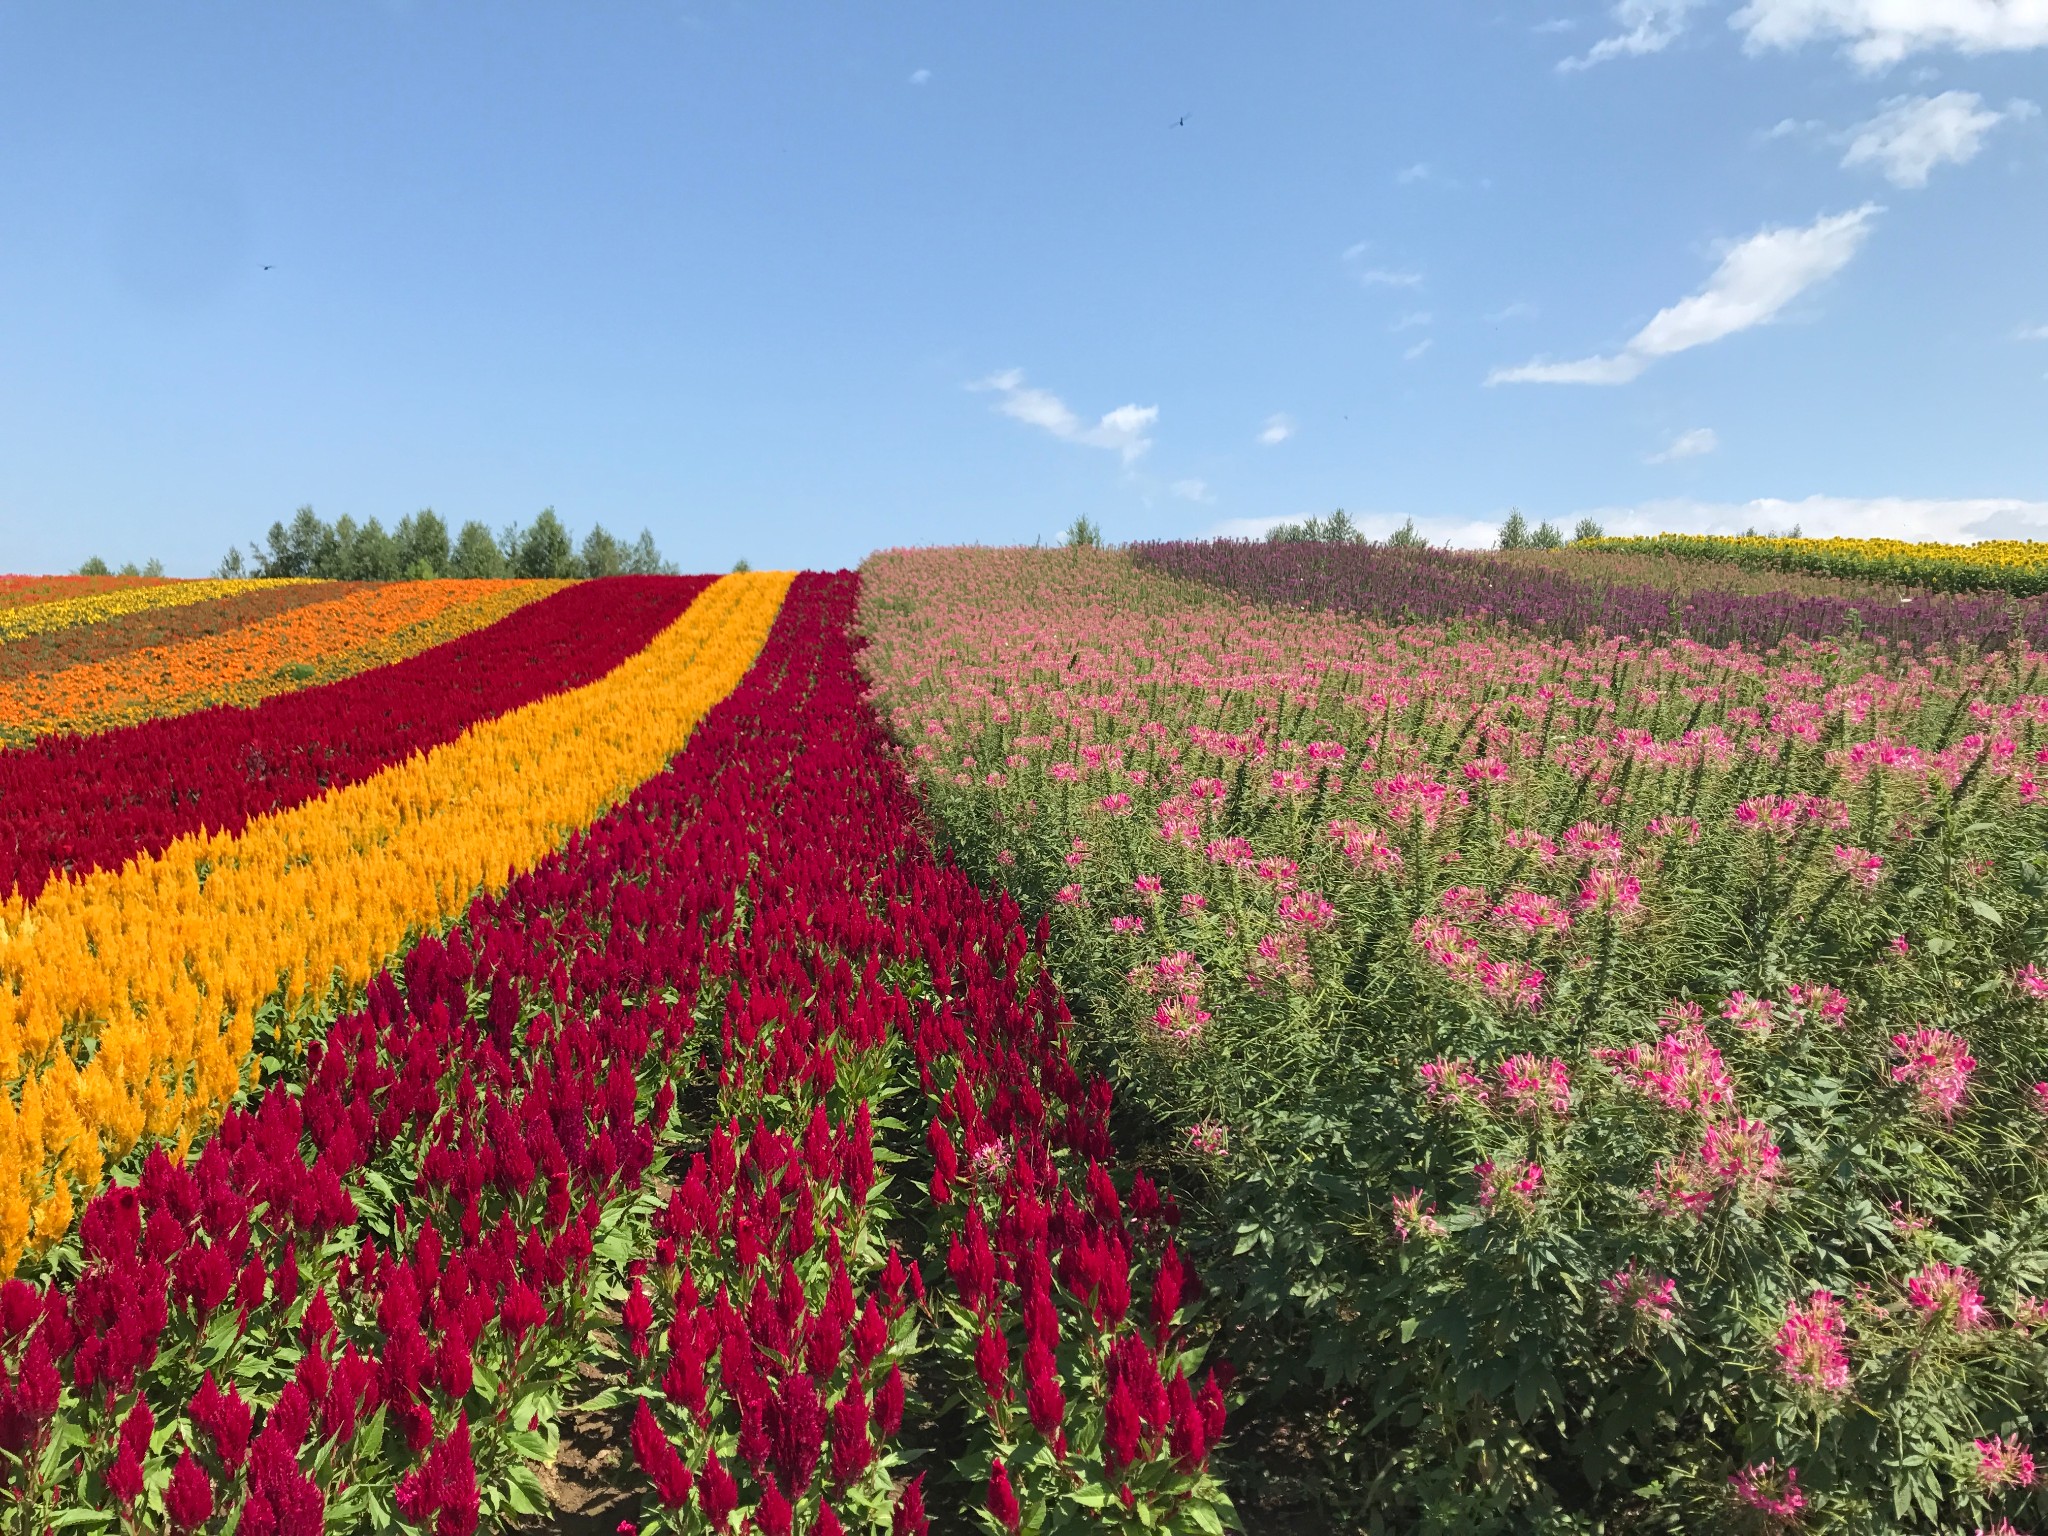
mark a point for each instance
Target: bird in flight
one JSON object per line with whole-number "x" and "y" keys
{"x": 1183, "y": 121}
{"x": 266, "y": 266}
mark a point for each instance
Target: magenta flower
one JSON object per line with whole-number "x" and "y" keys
{"x": 1535, "y": 1087}
{"x": 2003, "y": 1462}
{"x": 1208, "y": 1138}
{"x": 1773, "y": 1494}
{"x": 1813, "y": 1352}
{"x": 1146, "y": 885}
{"x": 1307, "y": 909}
{"x": 1514, "y": 1185}
{"x": 1938, "y": 1064}
{"x": 1641, "y": 1294}
{"x": 1126, "y": 925}
{"x": 1448, "y": 1084}
{"x": 1412, "y": 1218}
{"x": 1532, "y": 912}
{"x": 1948, "y": 1291}
{"x": 1741, "y": 1155}
{"x": 1751, "y": 1015}
{"x": 2031, "y": 982}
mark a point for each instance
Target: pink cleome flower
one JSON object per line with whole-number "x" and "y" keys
{"x": 1514, "y": 1185}
{"x": 1117, "y": 804}
{"x": 1192, "y": 903}
{"x": 1307, "y": 909}
{"x": 1612, "y": 890}
{"x": 1684, "y": 1071}
{"x": 1860, "y": 865}
{"x": 1450, "y": 1084}
{"x": 1813, "y": 1351}
{"x": 1364, "y": 845}
{"x": 1948, "y": 1291}
{"x": 1741, "y": 1155}
{"x": 1532, "y": 912}
{"x": 1751, "y": 1015}
{"x": 1590, "y": 841}
{"x": 1773, "y": 1494}
{"x": 2031, "y": 982}
{"x": 1642, "y": 1294}
{"x": 2004, "y": 1462}
{"x": 1525, "y": 840}
{"x": 1819, "y": 998}
{"x": 1146, "y": 885}
{"x": 1463, "y": 900}
{"x": 1068, "y": 895}
{"x": 1535, "y": 1087}
{"x": 1413, "y": 1219}
{"x": 1938, "y": 1064}
{"x": 1208, "y": 1138}
{"x": 1126, "y": 925}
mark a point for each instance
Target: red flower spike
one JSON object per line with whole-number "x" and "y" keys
{"x": 188, "y": 1498}
{"x": 909, "y": 1516}
{"x": 773, "y": 1514}
{"x": 1002, "y": 1498}
{"x": 717, "y": 1494}
{"x": 124, "y": 1477}
{"x": 992, "y": 1363}
{"x": 888, "y": 1414}
{"x": 658, "y": 1458}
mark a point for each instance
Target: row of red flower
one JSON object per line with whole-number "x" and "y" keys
{"x": 367, "y": 1299}
{"x": 77, "y": 803}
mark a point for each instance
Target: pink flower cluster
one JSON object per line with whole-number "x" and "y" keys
{"x": 1812, "y": 1345}
{"x": 1683, "y": 1071}
{"x": 1938, "y": 1064}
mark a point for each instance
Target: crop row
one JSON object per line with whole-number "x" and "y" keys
{"x": 655, "y": 1105}
{"x": 276, "y": 640}
{"x": 1414, "y": 585}
{"x": 111, "y": 601}
{"x": 131, "y": 994}
{"x": 2018, "y": 566}
{"x": 1608, "y": 1080}
{"x": 20, "y": 591}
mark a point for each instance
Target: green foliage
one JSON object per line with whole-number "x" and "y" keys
{"x": 419, "y": 549}
{"x": 476, "y": 555}
{"x": 1546, "y": 536}
{"x": 1405, "y": 536}
{"x": 1586, "y": 529}
{"x": 1083, "y": 534}
{"x": 1514, "y": 533}
{"x": 95, "y": 566}
{"x": 1337, "y": 528}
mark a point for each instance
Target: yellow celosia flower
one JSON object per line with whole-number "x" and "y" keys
{"x": 40, "y": 618}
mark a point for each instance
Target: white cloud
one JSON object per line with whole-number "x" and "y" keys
{"x": 1879, "y": 33}
{"x": 1412, "y": 319}
{"x": 1754, "y": 282}
{"x": 1515, "y": 311}
{"x": 1686, "y": 445}
{"x": 1278, "y": 428}
{"x": 1123, "y": 429}
{"x": 1191, "y": 489}
{"x": 1379, "y": 277}
{"x": 1648, "y": 26}
{"x": 1895, "y": 517}
{"x": 1554, "y": 25}
{"x": 2032, "y": 333}
{"x": 1914, "y": 134}
{"x": 1417, "y": 350}
{"x": 1409, "y": 175}
{"x": 920, "y": 76}
{"x": 1790, "y": 127}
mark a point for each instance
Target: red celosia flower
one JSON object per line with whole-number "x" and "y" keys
{"x": 1002, "y": 1498}
{"x": 188, "y": 1498}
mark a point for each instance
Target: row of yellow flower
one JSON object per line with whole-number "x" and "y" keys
{"x": 40, "y": 618}
{"x": 2019, "y": 566}
{"x": 363, "y": 628}
{"x": 127, "y": 999}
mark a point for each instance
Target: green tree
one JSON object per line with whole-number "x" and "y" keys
{"x": 367, "y": 553}
{"x": 1514, "y": 533}
{"x": 95, "y": 566}
{"x": 1083, "y": 534}
{"x": 231, "y": 567}
{"x": 741, "y": 565}
{"x": 1405, "y": 537}
{"x": 544, "y": 550}
{"x": 603, "y": 555}
{"x": 422, "y": 541}
{"x": 303, "y": 549}
{"x": 1587, "y": 529}
{"x": 153, "y": 567}
{"x": 129, "y": 568}
{"x": 476, "y": 554}
{"x": 1546, "y": 536}
{"x": 643, "y": 559}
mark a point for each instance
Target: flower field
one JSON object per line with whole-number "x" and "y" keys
{"x": 566, "y": 1019}
{"x": 1605, "y": 1074}
{"x": 1204, "y": 1037}
{"x": 2012, "y": 565}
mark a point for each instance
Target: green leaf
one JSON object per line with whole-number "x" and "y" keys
{"x": 1988, "y": 912}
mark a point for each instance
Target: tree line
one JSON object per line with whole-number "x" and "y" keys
{"x": 420, "y": 549}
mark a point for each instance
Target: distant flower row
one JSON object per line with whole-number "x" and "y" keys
{"x": 1408, "y": 584}
{"x": 2018, "y": 566}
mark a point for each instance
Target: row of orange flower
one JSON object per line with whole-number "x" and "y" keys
{"x": 359, "y": 628}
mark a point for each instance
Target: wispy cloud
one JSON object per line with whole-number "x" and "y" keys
{"x": 1278, "y": 428}
{"x": 1381, "y": 277}
{"x": 1790, "y": 127}
{"x": 1914, "y": 134}
{"x": 2032, "y": 333}
{"x": 1647, "y": 26}
{"x": 1895, "y": 517}
{"x": 1686, "y": 445}
{"x": 1408, "y": 175}
{"x": 1515, "y": 311}
{"x": 1754, "y": 282}
{"x": 1418, "y": 349}
{"x": 1123, "y": 430}
{"x": 1191, "y": 489}
{"x": 1411, "y": 320}
{"x": 920, "y": 76}
{"x": 1879, "y": 33}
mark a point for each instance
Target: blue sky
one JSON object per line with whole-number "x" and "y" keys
{"x": 792, "y": 282}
